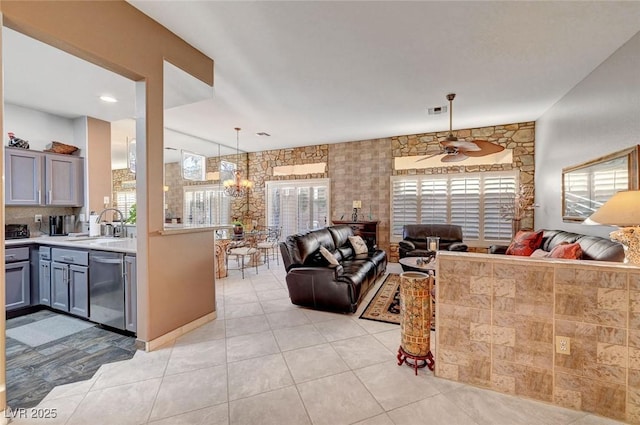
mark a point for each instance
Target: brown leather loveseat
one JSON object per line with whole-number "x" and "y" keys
{"x": 313, "y": 282}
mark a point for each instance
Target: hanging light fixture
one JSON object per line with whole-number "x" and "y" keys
{"x": 237, "y": 186}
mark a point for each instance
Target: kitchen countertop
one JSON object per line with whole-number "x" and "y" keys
{"x": 125, "y": 245}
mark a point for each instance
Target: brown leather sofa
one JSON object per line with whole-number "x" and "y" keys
{"x": 593, "y": 247}
{"x": 313, "y": 282}
{"x": 414, "y": 239}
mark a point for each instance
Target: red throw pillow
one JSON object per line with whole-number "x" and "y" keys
{"x": 525, "y": 243}
{"x": 568, "y": 251}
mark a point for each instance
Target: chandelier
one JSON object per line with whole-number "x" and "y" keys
{"x": 237, "y": 186}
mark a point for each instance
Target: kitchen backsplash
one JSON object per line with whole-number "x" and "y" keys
{"x": 26, "y": 215}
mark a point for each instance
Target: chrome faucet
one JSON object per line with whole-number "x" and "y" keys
{"x": 123, "y": 230}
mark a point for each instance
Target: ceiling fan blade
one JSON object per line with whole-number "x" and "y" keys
{"x": 486, "y": 148}
{"x": 462, "y": 145}
{"x": 429, "y": 156}
{"x": 454, "y": 157}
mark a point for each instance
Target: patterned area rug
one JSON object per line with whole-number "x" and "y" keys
{"x": 385, "y": 305}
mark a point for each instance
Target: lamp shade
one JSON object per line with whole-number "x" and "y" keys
{"x": 622, "y": 209}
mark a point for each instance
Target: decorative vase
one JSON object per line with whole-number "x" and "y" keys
{"x": 515, "y": 226}
{"x": 238, "y": 229}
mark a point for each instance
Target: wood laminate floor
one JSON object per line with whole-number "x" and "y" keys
{"x": 33, "y": 371}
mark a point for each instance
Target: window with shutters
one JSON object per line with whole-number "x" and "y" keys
{"x": 124, "y": 201}
{"x": 472, "y": 201}
{"x": 206, "y": 205}
{"x": 297, "y": 205}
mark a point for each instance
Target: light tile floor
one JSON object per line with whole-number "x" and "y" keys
{"x": 266, "y": 361}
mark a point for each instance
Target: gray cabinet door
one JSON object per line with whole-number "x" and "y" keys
{"x": 79, "y": 290}
{"x": 45, "y": 282}
{"x": 130, "y": 293}
{"x": 64, "y": 180}
{"x": 17, "y": 285}
{"x": 59, "y": 286}
{"x": 23, "y": 177}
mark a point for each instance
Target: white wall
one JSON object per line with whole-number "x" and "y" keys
{"x": 600, "y": 115}
{"x": 39, "y": 128}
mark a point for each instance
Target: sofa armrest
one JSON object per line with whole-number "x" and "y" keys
{"x": 333, "y": 270}
{"x": 498, "y": 249}
{"x": 459, "y": 247}
{"x": 407, "y": 245}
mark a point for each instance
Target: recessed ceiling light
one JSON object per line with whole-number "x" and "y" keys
{"x": 262, "y": 133}
{"x": 108, "y": 99}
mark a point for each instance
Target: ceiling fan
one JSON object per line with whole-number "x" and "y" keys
{"x": 458, "y": 150}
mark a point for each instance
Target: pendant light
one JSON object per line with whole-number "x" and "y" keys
{"x": 237, "y": 187}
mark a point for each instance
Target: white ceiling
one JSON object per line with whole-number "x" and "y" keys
{"x": 327, "y": 72}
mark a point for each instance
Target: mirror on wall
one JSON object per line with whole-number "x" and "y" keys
{"x": 587, "y": 186}
{"x": 194, "y": 161}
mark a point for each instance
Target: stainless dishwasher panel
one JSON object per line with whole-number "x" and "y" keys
{"x": 106, "y": 288}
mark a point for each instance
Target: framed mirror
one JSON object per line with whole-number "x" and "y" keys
{"x": 585, "y": 187}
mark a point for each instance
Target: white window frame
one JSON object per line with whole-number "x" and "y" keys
{"x": 480, "y": 241}
{"x": 269, "y": 185}
{"x": 221, "y": 199}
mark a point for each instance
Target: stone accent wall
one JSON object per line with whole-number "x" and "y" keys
{"x": 519, "y": 136}
{"x": 498, "y": 318}
{"x": 360, "y": 171}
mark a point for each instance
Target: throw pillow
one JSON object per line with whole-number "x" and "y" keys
{"x": 329, "y": 256}
{"x": 525, "y": 243}
{"x": 568, "y": 251}
{"x": 358, "y": 244}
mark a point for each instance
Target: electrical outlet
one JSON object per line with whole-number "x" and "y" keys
{"x": 563, "y": 345}
{"x": 38, "y": 218}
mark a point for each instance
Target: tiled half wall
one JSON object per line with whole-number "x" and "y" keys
{"x": 498, "y": 317}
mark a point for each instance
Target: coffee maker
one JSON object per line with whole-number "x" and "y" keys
{"x": 61, "y": 225}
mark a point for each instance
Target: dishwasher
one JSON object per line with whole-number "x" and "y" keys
{"x": 106, "y": 288}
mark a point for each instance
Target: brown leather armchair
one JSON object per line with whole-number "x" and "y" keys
{"x": 414, "y": 239}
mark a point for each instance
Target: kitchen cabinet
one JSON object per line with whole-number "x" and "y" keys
{"x": 23, "y": 177}
{"x": 17, "y": 278}
{"x": 70, "y": 281}
{"x": 38, "y": 178}
{"x": 44, "y": 276}
{"x": 64, "y": 183}
{"x": 130, "y": 293}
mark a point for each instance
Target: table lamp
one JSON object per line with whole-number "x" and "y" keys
{"x": 623, "y": 210}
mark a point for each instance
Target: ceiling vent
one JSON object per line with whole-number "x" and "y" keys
{"x": 437, "y": 110}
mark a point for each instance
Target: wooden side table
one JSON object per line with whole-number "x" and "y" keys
{"x": 415, "y": 320}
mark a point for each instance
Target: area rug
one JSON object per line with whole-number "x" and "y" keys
{"x": 47, "y": 330}
{"x": 385, "y": 304}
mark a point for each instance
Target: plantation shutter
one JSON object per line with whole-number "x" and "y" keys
{"x": 298, "y": 205}
{"x": 124, "y": 201}
{"x": 472, "y": 201}
{"x": 204, "y": 205}
{"x": 465, "y": 205}
{"x": 433, "y": 201}
{"x": 498, "y": 191}
{"x": 404, "y": 204}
